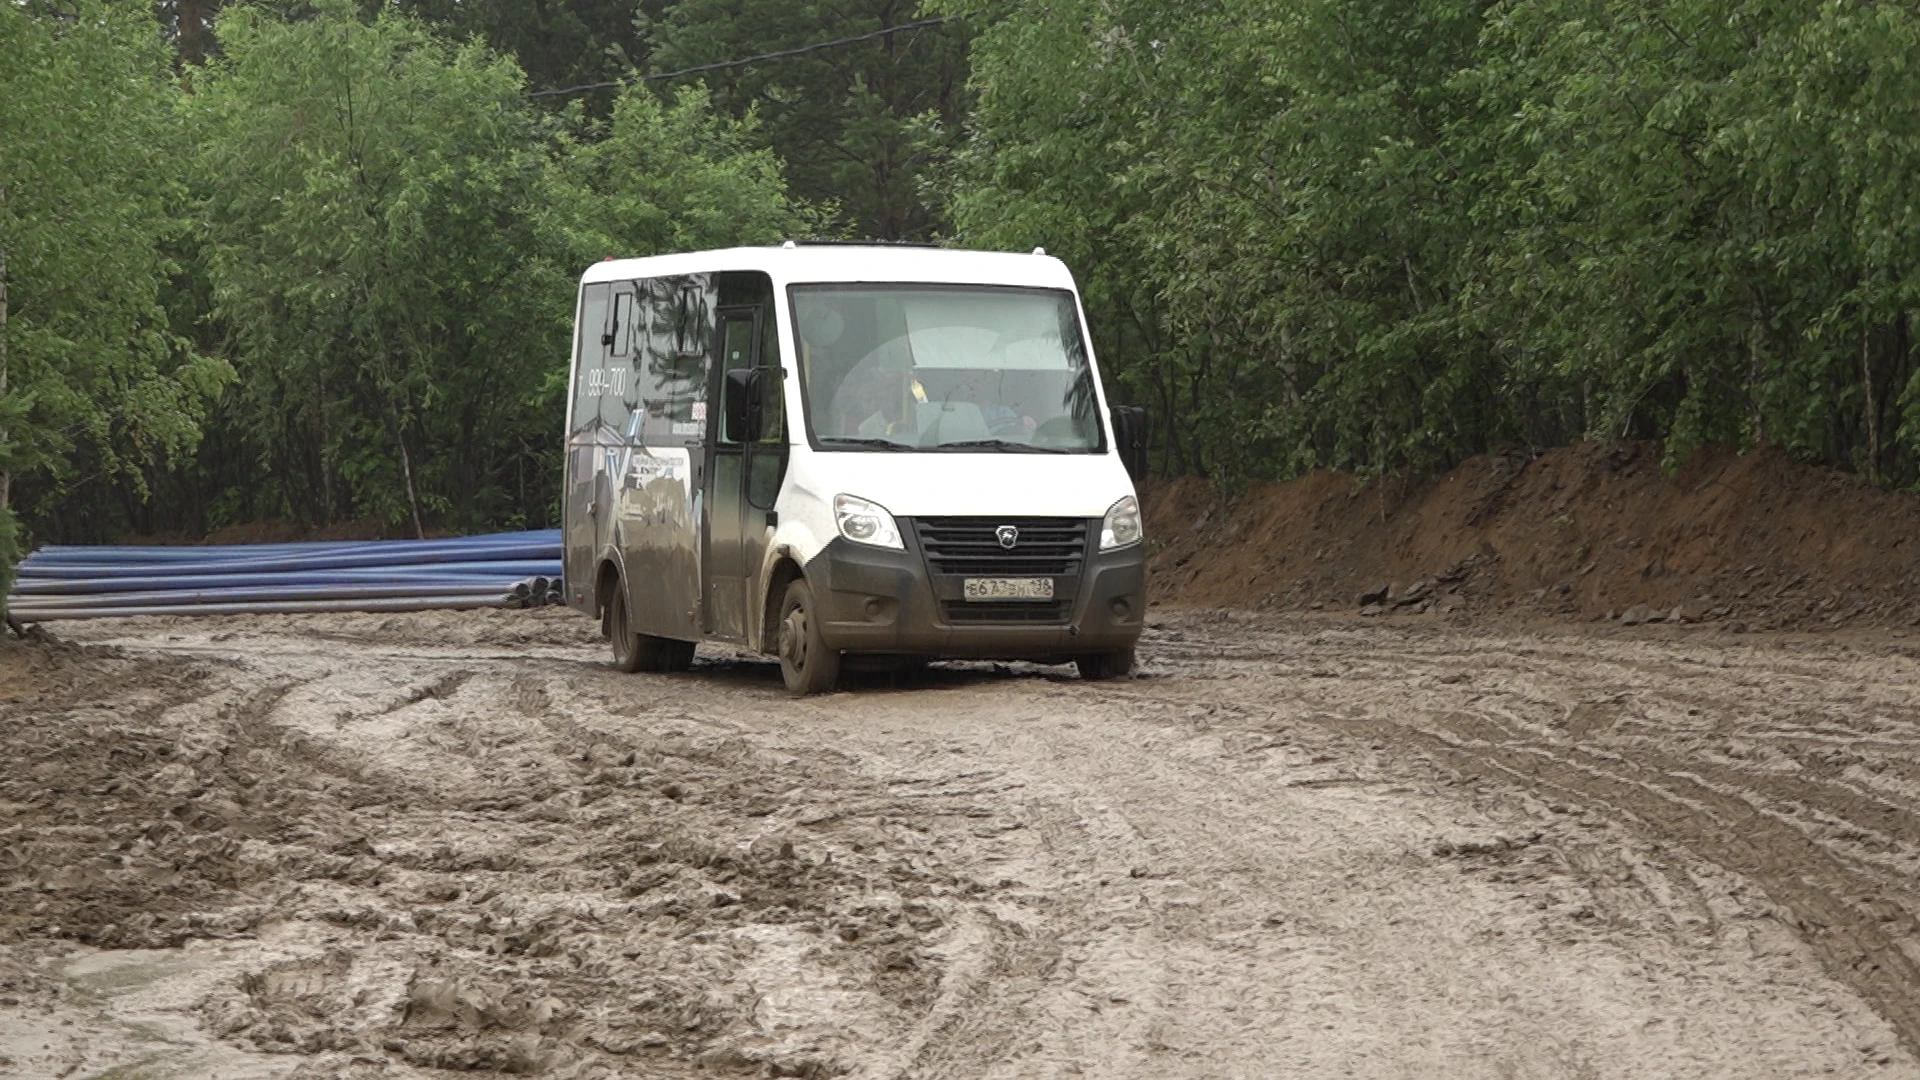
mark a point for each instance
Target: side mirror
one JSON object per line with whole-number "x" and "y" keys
{"x": 743, "y": 405}
{"x": 1130, "y": 438}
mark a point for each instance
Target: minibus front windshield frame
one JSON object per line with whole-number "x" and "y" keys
{"x": 962, "y": 368}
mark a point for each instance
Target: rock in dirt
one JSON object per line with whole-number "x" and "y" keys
{"x": 1415, "y": 593}
{"x": 1376, "y": 595}
{"x": 1372, "y": 609}
{"x": 1636, "y": 615}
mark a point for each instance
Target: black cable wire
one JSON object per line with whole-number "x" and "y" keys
{"x": 743, "y": 61}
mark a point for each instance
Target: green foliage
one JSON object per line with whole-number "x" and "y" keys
{"x": 88, "y": 185}
{"x": 369, "y": 197}
{"x": 1396, "y": 232}
{"x": 336, "y": 278}
{"x": 556, "y": 42}
{"x": 860, "y": 126}
{"x": 674, "y": 176}
{"x": 392, "y": 235}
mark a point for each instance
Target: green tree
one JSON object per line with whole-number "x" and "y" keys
{"x": 558, "y": 43}
{"x": 1374, "y": 235}
{"x": 860, "y": 125}
{"x": 88, "y": 194}
{"x": 370, "y": 197}
{"x": 392, "y": 239}
{"x": 1259, "y": 196}
{"x": 672, "y": 176}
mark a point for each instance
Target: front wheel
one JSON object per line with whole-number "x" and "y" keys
{"x": 1109, "y": 665}
{"x": 806, "y": 663}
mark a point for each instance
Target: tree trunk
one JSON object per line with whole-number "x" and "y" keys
{"x": 190, "y": 31}
{"x": 6, "y": 474}
{"x": 406, "y": 477}
{"x": 1873, "y": 427}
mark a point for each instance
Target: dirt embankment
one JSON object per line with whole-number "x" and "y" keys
{"x": 1751, "y": 541}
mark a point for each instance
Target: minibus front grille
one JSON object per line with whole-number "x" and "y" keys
{"x": 972, "y": 547}
{"x": 1007, "y": 611}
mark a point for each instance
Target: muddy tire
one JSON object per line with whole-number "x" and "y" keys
{"x": 675, "y": 655}
{"x": 641, "y": 652}
{"x": 1109, "y": 665}
{"x": 807, "y": 665}
{"x": 630, "y": 652}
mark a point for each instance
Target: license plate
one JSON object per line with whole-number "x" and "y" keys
{"x": 1005, "y": 588}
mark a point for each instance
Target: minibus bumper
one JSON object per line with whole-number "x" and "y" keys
{"x": 881, "y": 601}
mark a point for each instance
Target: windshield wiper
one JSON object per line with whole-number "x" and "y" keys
{"x": 1001, "y": 444}
{"x": 873, "y": 441}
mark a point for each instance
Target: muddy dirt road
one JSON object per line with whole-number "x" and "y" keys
{"x": 372, "y": 846}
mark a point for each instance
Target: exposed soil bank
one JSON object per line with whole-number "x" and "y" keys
{"x": 1746, "y": 541}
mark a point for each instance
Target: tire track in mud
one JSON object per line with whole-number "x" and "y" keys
{"x": 488, "y": 870}
{"x": 1808, "y": 882}
{"x": 511, "y": 858}
{"x": 1561, "y": 719}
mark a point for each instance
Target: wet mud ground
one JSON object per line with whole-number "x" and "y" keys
{"x": 457, "y": 844}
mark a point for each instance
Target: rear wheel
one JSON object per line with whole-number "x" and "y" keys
{"x": 633, "y": 651}
{"x": 630, "y": 652}
{"x": 807, "y": 665}
{"x": 1107, "y": 665}
{"x": 675, "y": 655}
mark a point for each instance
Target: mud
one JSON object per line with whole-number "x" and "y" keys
{"x": 440, "y": 844}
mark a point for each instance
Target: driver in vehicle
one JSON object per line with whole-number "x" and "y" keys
{"x": 876, "y": 394}
{"x": 887, "y": 397}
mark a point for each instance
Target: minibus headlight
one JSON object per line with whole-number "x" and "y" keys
{"x": 1122, "y": 525}
{"x": 865, "y": 523}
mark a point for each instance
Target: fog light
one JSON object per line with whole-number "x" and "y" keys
{"x": 1121, "y": 607}
{"x": 873, "y": 607}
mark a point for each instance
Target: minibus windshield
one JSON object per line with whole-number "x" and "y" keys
{"x": 945, "y": 368}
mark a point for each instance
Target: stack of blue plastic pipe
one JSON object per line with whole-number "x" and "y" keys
{"x": 519, "y": 569}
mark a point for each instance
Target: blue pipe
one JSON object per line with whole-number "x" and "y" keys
{"x": 498, "y": 590}
{"x": 108, "y": 555}
{"x": 120, "y": 552}
{"x": 318, "y": 561}
{"x": 288, "y": 607}
{"x": 75, "y": 584}
{"x": 366, "y": 554}
{"x": 508, "y": 569}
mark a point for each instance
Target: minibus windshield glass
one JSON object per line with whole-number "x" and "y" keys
{"x": 945, "y": 368}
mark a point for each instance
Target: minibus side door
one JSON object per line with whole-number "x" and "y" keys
{"x": 661, "y": 517}
{"x": 736, "y": 338}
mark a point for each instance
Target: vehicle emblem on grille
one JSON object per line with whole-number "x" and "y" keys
{"x": 1007, "y": 535}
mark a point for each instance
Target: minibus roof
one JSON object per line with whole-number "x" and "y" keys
{"x": 802, "y": 263}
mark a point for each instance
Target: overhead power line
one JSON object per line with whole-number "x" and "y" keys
{"x": 782, "y": 54}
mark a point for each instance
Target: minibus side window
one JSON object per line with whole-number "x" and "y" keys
{"x": 590, "y": 371}
{"x": 621, "y": 329}
{"x": 678, "y": 318}
{"x": 773, "y": 401}
{"x": 616, "y": 383}
{"x": 736, "y": 352}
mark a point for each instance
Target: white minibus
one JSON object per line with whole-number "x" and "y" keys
{"x": 822, "y": 452}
